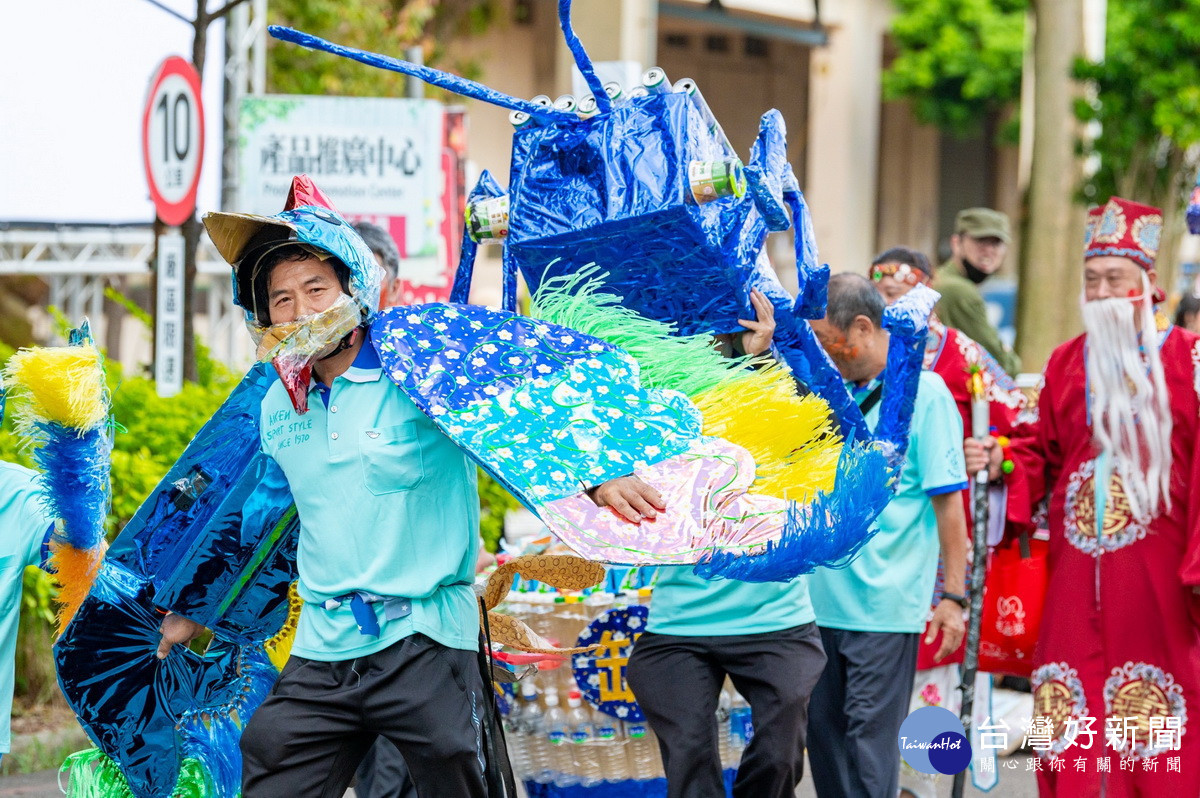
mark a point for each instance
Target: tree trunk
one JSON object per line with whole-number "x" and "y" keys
{"x": 1051, "y": 263}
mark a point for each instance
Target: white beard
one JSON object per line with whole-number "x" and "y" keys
{"x": 1130, "y": 407}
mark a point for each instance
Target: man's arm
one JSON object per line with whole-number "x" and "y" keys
{"x": 952, "y": 537}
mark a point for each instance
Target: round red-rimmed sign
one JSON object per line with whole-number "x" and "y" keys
{"x": 173, "y": 139}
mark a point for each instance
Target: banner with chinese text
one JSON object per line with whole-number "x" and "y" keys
{"x": 397, "y": 163}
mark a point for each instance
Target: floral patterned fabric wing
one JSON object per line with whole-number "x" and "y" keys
{"x": 547, "y": 410}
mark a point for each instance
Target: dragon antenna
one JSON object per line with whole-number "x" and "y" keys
{"x": 581, "y": 58}
{"x": 434, "y": 77}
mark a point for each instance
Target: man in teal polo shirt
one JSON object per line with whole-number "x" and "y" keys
{"x": 389, "y": 634}
{"x": 762, "y": 635}
{"x": 871, "y": 612}
{"x": 25, "y": 528}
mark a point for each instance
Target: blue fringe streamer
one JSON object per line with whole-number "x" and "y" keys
{"x": 907, "y": 320}
{"x": 211, "y": 736}
{"x": 826, "y": 533}
{"x": 74, "y": 479}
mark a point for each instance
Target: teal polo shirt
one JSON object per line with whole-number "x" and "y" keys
{"x": 686, "y": 605}
{"x": 24, "y": 525}
{"x": 388, "y": 506}
{"x": 886, "y": 587}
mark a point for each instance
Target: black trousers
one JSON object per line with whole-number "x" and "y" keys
{"x": 383, "y": 774}
{"x": 677, "y": 681}
{"x": 321, "y": 717}
{"x": 856, "y": 712}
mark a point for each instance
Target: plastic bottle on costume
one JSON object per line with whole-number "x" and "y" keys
{"x": 558, "y": 737}
{"x": 724, "y": 707}
{"x": 741, "y": 724}
{"x": 644, "y": 760}
{"x": 583, "y": 739}
{"x": 610, "y": 742}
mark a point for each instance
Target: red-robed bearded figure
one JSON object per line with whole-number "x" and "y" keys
{"x": 1112, "y": 447}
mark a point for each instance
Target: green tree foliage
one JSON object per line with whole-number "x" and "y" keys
{"x": 380, "y": 26}
{"x": 1147, "y": 101}
{"x": 957, "y": 61}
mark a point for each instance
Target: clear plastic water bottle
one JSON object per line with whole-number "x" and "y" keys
{"x": 558, "y": 736}
{"x": 741, "y": 724}
{"x": 583, "y": 738}
{"x": 610, "y": 741}
{"x": 724, "y": 707}
{"x": 644, "y": 761}
{"x": 518, "y": 743}
{"x": 530, "y": 731}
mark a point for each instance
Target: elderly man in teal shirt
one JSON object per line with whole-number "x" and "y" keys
{"x": 388, "y": 637}
{"x": 25, "y": 527}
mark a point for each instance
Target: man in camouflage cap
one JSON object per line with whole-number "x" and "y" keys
{"x": 978, "y": 247}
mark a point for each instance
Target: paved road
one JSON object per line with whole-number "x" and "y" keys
{"x": 1017, "y": 783}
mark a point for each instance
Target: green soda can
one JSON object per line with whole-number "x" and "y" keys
{"x": 487, "y": 219}
{"x": 711, "y": 180}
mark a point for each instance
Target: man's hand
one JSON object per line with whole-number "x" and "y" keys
{"x": 631, "y": 498}
{"x": 983, "y": 453}
{"x": 760, "y": 332}
{"x": 176, "y": 629}
{"x": 948, "y": 619}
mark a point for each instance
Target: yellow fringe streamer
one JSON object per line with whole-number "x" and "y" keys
{"x": 279, "y": 647}
{"x": 63, "y": 384}
{"x": 790, "y": 437}
{"x": 75, "y": 570}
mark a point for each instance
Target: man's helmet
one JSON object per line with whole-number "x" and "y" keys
{"x": 309, "y": 220}
{"x": 310, "y": 223}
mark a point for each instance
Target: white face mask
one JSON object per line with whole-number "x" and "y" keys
{"x": 293, "y": 347}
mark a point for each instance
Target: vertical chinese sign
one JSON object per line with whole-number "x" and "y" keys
{"x": 168, "y": 321}
{"x": 393, "y": 162}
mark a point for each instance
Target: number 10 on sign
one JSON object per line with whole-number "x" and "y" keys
{"x": 173, "y": 140}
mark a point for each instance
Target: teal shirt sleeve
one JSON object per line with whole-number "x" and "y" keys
{"x": 937, "y": 446}
{"x": 23, "y": 526}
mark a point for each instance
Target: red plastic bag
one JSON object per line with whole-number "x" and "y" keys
{"x": 1013, "y": 598}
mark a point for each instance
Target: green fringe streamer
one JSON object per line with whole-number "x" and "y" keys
{"x": 688, "y": 364}
{"x": 93, "y": 774}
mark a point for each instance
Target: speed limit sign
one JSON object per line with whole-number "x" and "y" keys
{"x": 173, "y": 139}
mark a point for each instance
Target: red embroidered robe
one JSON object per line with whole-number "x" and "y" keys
{"x": 1119, "y": 640}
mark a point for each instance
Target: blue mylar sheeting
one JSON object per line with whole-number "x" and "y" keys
{"x": 460, "y": 292}
{"x": 214, "y": 542}
{"x": 613, "y": 190}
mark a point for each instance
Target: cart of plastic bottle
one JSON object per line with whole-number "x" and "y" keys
{"x": 588, "y": 738}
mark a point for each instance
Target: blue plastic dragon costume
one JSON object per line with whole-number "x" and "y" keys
{"x": 546, "y": 407}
